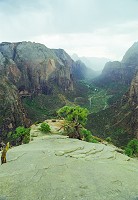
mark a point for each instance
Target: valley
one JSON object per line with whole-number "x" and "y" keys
{"x": 49, "y": 79}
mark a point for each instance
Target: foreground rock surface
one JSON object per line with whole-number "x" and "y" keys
{"x": 55, "y": 167}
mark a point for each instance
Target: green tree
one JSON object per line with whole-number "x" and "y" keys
{"x": 76, "y": 118}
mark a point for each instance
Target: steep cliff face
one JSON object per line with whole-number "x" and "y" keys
{"x": 65, "y": 75}
{"x": 133, "y": 101}
{"x": 116, "y": 71}
{"x": 131, "y": 56}
{"x": 37, "y": 65}
{"x": 12, "y": 113}
{"x": 112, "y": 71}
{"x": 9, "y": 69}
{"x": 133, "y": 93}
{"x": 124, "y": 71}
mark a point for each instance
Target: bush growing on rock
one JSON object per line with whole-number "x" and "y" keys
{"x": 109, "y": 139}
{"x": 19, "y": 136}
{"x": 26, "y": 139}
{"x": 44, "y": 127}
{"x": 87, "y": 136}
{"x": 76, "y": 118}
{"x": 132, "y": 148}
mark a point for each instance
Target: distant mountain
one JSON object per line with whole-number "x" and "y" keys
{"x": 81, "y": 72}
{"x": 131, "y": 56}
{"x": 78, "y": 69}
{"x": 121, "y": 72}
{"x": 95, "y": 63}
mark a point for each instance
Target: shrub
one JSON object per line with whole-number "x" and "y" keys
{"x": 44, "y": 127}
{"x": 26, "y": 139}
{"x": 94, "y": 140}
{"x": 128, "y": 152}
{"x": 21, "y": 135}
{"x": 108, "y": 139}
{"x": 86, "y": 135}
{"x": 132, "y": 148}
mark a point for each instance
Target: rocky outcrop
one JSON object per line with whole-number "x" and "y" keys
{"x": 56, "y": 167}
{"x": 133, "y": 101}
{"x": 112, "y": 71}
{"x": 12, "y": 113}
{"x": 124, "y": 71}
{"x": 79, "y": 70}
{"x": 39, "y": 67}
{"x": 131, "y": 56}
{"x": 117, "y": 72}
{"x": 9, "y": 69}
{"x": 133, "y": 93}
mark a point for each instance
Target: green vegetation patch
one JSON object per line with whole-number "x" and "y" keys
{"x": 19, "y": 136}
{"x": 42, "y": 106}
{"x": 132, "y": 148}
{"x": 44, "y": 127}
{"x": 76, "y": 118}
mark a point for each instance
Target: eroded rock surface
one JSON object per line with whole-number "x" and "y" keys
{"x": 56, "y": 167}
{"x": 38, "y": 66}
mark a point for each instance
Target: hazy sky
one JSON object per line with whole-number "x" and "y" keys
{"x": 99, "y": 28}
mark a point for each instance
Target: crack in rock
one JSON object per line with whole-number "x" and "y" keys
{"x": 61, "y": 153}
{"x": 17, "y": 157}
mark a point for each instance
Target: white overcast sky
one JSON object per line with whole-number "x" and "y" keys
{"x": 92, "y": 28}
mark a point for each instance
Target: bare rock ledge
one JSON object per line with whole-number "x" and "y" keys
{"x": 56, "y": 167}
